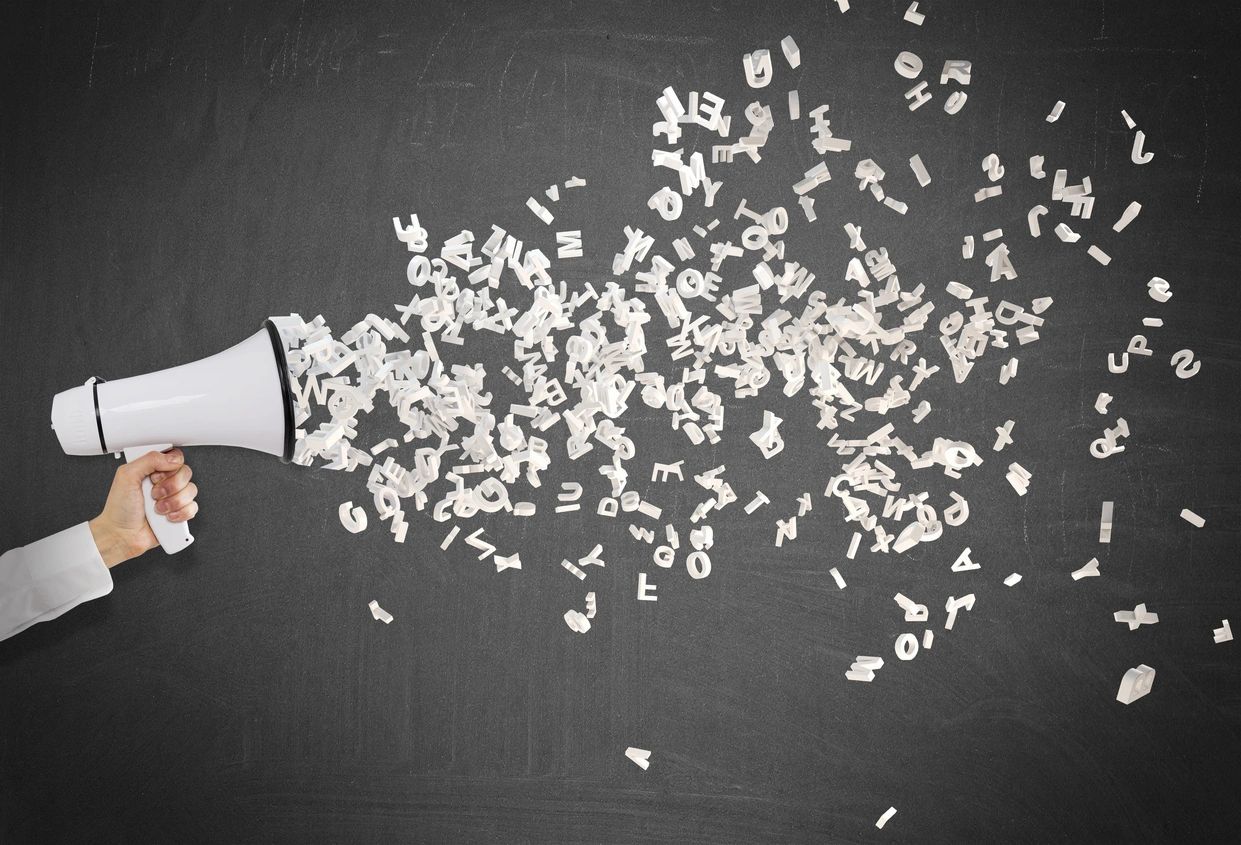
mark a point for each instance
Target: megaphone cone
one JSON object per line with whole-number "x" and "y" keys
{"x": 238, "y": 397}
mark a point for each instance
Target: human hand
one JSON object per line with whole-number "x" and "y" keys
{"x": 121, "y": 530}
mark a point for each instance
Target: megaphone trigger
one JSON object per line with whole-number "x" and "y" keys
{"x": 172, "y": 536}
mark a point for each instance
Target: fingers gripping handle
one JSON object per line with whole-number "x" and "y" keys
{"x": 172, "y": 536}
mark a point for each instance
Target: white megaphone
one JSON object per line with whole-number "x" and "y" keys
{"x": 239, "y": 397}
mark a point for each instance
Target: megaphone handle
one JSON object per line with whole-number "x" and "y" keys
{"x": 172, "y": 536}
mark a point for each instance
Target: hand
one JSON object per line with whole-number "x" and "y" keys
{"x": 121, "y": 531}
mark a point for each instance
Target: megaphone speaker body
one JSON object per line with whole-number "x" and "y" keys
{"x": 238, "y": 397}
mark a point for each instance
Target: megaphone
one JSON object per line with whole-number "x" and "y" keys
{"x": 238, "y": 397}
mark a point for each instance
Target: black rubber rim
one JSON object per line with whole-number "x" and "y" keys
{"x": 94, "y": 386}
{"x": 282, "y": 373}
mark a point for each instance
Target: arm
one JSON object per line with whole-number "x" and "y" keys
{"x": 41, "y": 581}
{"x": 44, "y": 579}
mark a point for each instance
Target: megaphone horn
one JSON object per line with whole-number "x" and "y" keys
{"x": 238, "y": 397}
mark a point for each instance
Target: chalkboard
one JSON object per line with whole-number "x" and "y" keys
{"x": 171, "y": 173}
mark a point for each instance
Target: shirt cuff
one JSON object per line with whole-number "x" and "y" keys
{"x": 41, "y": 581}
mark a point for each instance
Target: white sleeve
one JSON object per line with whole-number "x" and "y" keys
{"x": 40, "y": 581}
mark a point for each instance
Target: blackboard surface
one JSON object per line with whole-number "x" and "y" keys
{"x": 174, "y": 172}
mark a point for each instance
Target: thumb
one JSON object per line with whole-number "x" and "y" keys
{"x": 155, "y": 462}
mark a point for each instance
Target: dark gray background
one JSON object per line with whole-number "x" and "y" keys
{"x": 171, "y": 173}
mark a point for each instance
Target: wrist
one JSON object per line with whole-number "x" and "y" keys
{"x": 111, "y": 548}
